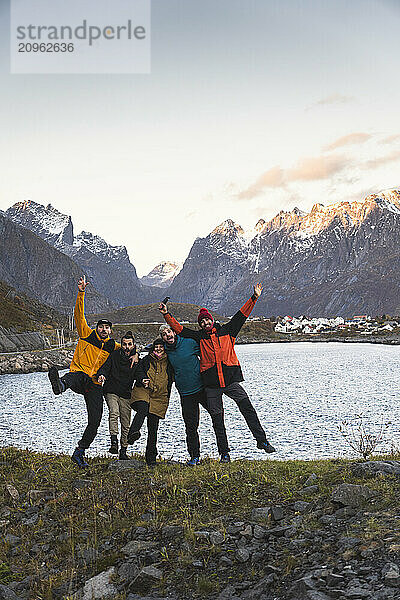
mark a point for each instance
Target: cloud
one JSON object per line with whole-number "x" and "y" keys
{"x": 333, "y": 99}
{"x": 274, "y": 178}
{"x": 320, "y": 167}
{"x": 382, "y": 160}
{"x": 348, "y": 140}
{"x": 307, "y": 169}
{"x": 391, "y": 138}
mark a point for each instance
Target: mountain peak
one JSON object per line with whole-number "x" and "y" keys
{"x": 163, "y": 274}
{"x": 228, "y": 227}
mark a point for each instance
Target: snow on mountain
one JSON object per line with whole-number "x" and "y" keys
{"x": 163, "y": 274}
{"x": 45, "y": 221}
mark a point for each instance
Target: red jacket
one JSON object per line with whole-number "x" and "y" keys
{"x": 219, "y": 365}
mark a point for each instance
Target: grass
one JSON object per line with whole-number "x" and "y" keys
{"x": 89, "y": 516}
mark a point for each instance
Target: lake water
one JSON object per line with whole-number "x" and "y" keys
{"x": 301, "y": 391}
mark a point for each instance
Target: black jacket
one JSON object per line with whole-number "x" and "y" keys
{"x": 119, "y": 374}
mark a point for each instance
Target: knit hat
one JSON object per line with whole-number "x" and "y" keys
{"x": 104, "y": 322}
{"x": 204, "y": 314}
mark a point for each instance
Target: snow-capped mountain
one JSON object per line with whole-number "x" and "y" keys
{"x": 162, "y": 275}
{"x": 108, "y": 267}
{"x": 336, "y": 259}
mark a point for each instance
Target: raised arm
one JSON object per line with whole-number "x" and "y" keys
{"x": 238, "y": 320}
{"x": 176, "y": 326}
{"x": 79, "y": 313}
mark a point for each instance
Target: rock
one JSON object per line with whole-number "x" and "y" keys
{"x": 349, "y": 494}
{"x": 311, "y": 480}
{"x": 136, "y": 546}
{"x": 12, "y": 540}
{"x": 124, "y": 465}
{"x": 80, "y": 484}
{"x": 277, "y": 513}
{"x": 36, "y": 495}
{"x": 202, "y": 535}
{"x": 14, "y": 493}
{"x": 31, "y": 521}
{"x": 357, "y": 592}
{"x": 258, "y": 532}
{"x": 242, "y": 555}
{"x": 229, "y": 593}
{"x": 316, "y": 595}
{"x": 301, "y": 506}
{"x": 224, "y": 561}
{"x": 377, "y": 467}
{"x": 7, "y": 594}
{"x": 303, "y": 585}
{"x": 198, "y": 564}
{"x": 217, "y": 538}
{"x": 307, "y": 491}
{"x": 151, "y": 573}
{"x": 346, "y": 542}
{"x": 171, "y": 531}
{"x": 345, "y": 512}
{"x": 127, "y": 571}
{"x": 335, "y": 580}
{"x": 100, "y": 586}
{"x": 260, "y": 513}
{"x": 391, "y": 573}
{"x": 247, "y": 532}
{"x": 235, "y": 527}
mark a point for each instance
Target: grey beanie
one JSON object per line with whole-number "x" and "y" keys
{"x": 163, "y": 327}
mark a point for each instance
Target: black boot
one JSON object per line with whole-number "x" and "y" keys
{"x": 122, "y": 454}
{"x": 113, "y": 449}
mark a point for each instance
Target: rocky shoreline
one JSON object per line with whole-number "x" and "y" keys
{"x": 41, "y": 360}
{"x": 38, "y": 360}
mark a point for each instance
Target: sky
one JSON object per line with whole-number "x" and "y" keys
{"x": 251, "y": 107}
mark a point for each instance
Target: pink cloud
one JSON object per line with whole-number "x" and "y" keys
{"x": 347, "y": 140}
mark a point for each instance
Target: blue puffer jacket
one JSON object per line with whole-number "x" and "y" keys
{"x": 184, "y": 358}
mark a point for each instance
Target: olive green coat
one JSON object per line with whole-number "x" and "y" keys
{"x": 158, "y": 392}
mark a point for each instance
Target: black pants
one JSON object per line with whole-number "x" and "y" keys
{"x": 239, "y": 395}
{"x": 191, "y": 415}
{"x": 142, "y": 411}
{"x": 81, "y": 383}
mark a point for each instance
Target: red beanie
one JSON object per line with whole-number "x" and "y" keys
{"x": 204, "y": 314}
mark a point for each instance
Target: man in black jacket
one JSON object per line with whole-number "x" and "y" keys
{"x": 117, "y": 376}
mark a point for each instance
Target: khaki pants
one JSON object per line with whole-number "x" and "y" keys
{"x": 119, "y": 408}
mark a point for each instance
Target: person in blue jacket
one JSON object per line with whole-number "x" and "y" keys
{"x": 183, "y": 355}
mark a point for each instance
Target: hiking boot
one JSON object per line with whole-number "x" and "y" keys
{"x": 266, "y": 446}
{"x": 122, "y": 454}
{"x": 55, "y": 381}
{"x": 78, "y": 457}
{"x": 193, "y": 461}
{"x": 133, "y": 436}
{"x": 113, "y": 449}
{"x": 225, "y": 458}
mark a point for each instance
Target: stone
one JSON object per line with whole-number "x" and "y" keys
{"x": 335, "y": 580}
{"x": 127, "y": 571}
{"x": 171, "y": 531}
{"x": 12, "y": 540}
{"x": 197, "y": 564}
{"x": 151, "y": 573}
{"x": 229, "y": 593}
{"x": 377, "y": 467}
{"x": 242, "y": 555}
{"x": 349, "y": 494}
{"x": 301, "y": 506}
{"x": 311, "y": 480}
{"x": 316, "y": 595}
{"x": 310, "y": 489}
{"x": 202, "y": 535}
{"x": 277, "y": 513}
{"x": 357, "y": 592}
{"x": 136, "y": 546}
{"x": 100, "y": 586}
{"x": 36, "y": 495}
{"x": 258, "y": 532}
{"x": 14, "y": 493}
{"x": 217, "y": 538}
{"x": 247, "y": 532}
{"x": 125, "y": 465}
{"x": 260, "y": 513}
{"x": 235, "y": 527}
{"x": 7, "y": 594}
{"x": 391, "y": 573}
{"x": 80, "y": 484}
{"x": 224, "y": 561}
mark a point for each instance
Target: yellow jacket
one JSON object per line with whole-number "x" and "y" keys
{"x": 91, "y": 351}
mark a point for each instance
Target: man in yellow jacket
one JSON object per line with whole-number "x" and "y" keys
{"x": 93, "y": 348}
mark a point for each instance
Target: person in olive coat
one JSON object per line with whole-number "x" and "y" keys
{"x": 150, "y": 397}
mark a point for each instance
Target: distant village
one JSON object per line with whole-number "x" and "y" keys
{"x": 360, "y": 324}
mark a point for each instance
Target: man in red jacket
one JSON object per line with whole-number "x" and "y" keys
{"x": 219, "y": 366}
